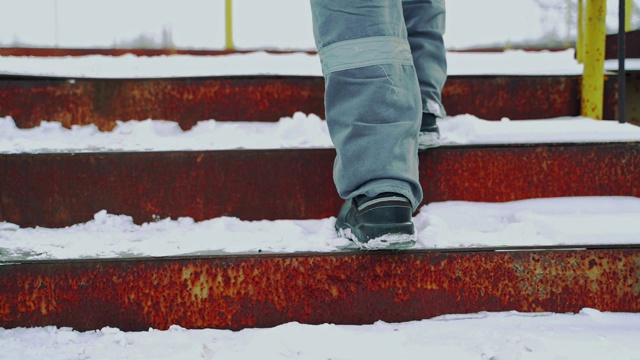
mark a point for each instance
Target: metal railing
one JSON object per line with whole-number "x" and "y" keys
{"x": 590, "y": 50}
{"x": 228, "y": 15}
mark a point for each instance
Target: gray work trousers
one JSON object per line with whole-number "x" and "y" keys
{"x": 384, "y": 65}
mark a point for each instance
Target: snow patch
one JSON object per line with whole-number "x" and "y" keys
{"x": 454, "y": 224}
{"x": 298, "y": 131}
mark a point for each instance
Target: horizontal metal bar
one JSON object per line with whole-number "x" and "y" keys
{"x": 102, "y": 102}
{"x": 262, "y": 98}
{"x": 235, "y": 292}
{"x": 57, "y": 190}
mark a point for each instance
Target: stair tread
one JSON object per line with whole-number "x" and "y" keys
{"x": 130, "y": 66}
{"x": 298, "y": 131}
{"x": 56, "y": 190}
{"x": 235, "y": 292}
{"x": 574, "y": 221}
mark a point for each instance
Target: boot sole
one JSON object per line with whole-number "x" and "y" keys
{"x": 399, "y": 236}
{"x": 428, "y": 140}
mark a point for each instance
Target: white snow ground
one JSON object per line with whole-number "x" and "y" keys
{"x": 298, "y": 131}
{"x": 453, "y": 224}
{"x": 512, "y": 62}
{"x": 588, "y": 335}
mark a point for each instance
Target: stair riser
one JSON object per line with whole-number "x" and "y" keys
{"x": 266, "y": 98}
{"x": 236, "y": 292}
{"x": 57, "y": 190}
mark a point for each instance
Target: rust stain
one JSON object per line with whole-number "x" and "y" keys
{"x": 235, "y": 292}
{"x": 102, "y": 102}
{"x": 514, "y": 97}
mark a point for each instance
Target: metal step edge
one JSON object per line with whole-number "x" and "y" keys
{"x": 102, "y": 102}
{"x": 57, "y": 190}
{"x": 247, "y": 291}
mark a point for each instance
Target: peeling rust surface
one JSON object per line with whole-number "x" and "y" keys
{"x": 513, "y": 97}
{"x": 235, "y": 292}
{"x": 632, "y": 50}
{"x": 508, "y": 173}
{"x": 264, "y": 98}
{"x": 57, "y": 190}
{"x": 187, "y": 101}
{"x": 633, "y": 98}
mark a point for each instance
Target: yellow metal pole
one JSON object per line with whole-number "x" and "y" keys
{"x": 229, "y": 24}
{"x": 580, "y": 36}
{"x": 593, "y": 76}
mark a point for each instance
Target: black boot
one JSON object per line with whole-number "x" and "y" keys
{"x": 429, "y": 133}
{"x": 377, "y": 223}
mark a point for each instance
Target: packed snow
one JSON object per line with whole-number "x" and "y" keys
{"x": 572, "y": 221}
{"x": 512, "y": 62}
{"x": 299, "y": 131}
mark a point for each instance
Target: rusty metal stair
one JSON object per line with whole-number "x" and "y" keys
{"x": 240, "y": 291}
{"x": 260, "y": 290}
{"x": 57, "y": 190}
{"x": 266, "y": 98}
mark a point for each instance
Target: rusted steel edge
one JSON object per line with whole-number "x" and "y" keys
{"x": 235, "y": 292}
{"x": 102, "y": 102}
{"x": 57, "y": 190}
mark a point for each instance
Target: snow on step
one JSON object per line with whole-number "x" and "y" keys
{"x": 558, "y": 221}
{"x": 298, "y": 131}
{"x": 590, "y": 334}
{"x": 513, "y": 62}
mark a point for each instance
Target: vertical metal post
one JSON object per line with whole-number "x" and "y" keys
{"x": 593, "y": 76}
{"x": 229, "y": 25}
{"x": 622, "y": 74}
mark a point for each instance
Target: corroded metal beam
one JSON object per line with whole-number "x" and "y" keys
{"x": 265, "y": 98}
{"x": 104, "y": 101}
{"x": 57, "y": 190}
{"x": 235, "y": 292}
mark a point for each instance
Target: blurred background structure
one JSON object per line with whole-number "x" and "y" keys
{"x": 272, "y": 24}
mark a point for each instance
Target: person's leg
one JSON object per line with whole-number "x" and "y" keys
{"x": 426, "y": 22}
{"x": 372, "y": 97}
